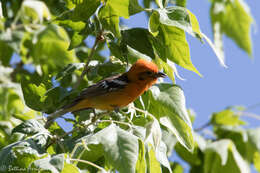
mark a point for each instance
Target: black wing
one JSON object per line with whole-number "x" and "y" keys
{"x": 104, "y": 86}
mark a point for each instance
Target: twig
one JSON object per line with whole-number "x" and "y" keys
{"x": 89, "y": 163}
{"x": 248, "y": 114}
{"x": 117, "y": 122}
{"x": 143, "y": 111}
{"x": 99, "y": 38}
{"x": 75, "y": 129}
{"x": 203, "y": 127}
{"x": 252, "y": 106}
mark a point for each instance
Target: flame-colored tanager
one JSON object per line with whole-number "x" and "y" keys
{"x": 114, "y": 92}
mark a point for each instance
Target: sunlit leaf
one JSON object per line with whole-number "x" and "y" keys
{"x": 222, "y": 156}
{"x": 226, "y": 15}
{"x": 121, "y": 8}
{"x": 120, "y": 147}
{"x": 153, "y": 164}
{"x": 80, "y": 12}
{"x": 30, "y": 127}
{"x": 20, "y": 154}
{"x": 54, "y": 164}
{"x": 226, "y": 117}
{"x": 52, "y": 48}
{"x": 109, "y": 19}
{"x": 172, "y": 113}
{"x": 141, "y": 162}
{"x": 257, "y": 161}
{"x": 181, "y": 18}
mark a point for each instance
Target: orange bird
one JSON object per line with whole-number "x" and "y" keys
{"x": 114, "y": 92}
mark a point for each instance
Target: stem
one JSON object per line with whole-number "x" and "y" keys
{"x": 248, "y": 114}
{"x": 203, "y": 126}
{"x": 98, "y": 39}
{"x": 252, "y": 106}
{"x": 89, "y": 163}
{"x": 117, "y": 122}
{"x": 143, "y": 111}
{"x": 16, "y": 18}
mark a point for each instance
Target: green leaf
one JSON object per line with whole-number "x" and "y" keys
{"x": 154, "y": 23}
{"x": 139, "y": 39}
{"x": 172, "y": 113}
{"x": 51, "y": 49}
{"x": 168, "y": 67}
{"x": 170, "y": 43}
{"x": 159, "y": 3}
{"x": 222, "y": 156}
{"x": 5, "y": 53}
{"x": 68, "y": 70}
{"x": 54, "y": 164}
{"x": 192, "y": 158}
{"x": 177, "y": 168}
{"x": 20, "y": 154}
{"x": 234, "y": 19}
{"x": 74, "y": 25}
{"x": 76, "y": 40}
{"x": 25, "y": 116}
{"x": 121, "y": 8}
{"x": 12, "y": 39}
{"x": 257, "y": 161}
{"x": 226, "y": 117}
{"x": 109, "y": 19}
{"x": 134, "y": 7}
{"x": 70, "y": 168}
{"x": 161, "y": 156}
{"x": 42, "y": 97}
{"x": 141, "y": 162}
{"x": 34, "y": 95}
{"x": 170, "y": 141}
{"x": 30, "y": 127}
{"x": 34, "y": 11}
{"x": 181, "y": 3}
{"x": 80, "y": 13}
{"x": 10, "y": 101}
{"x": 153, "y": 164}
{"x": 181, "y": 18}
{"x": 120, "y": 147}
{"x": 254, "y": 137}
{"x": 153, "y": 131}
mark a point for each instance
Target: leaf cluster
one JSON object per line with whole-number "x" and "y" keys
{"x": 51, "y": 50}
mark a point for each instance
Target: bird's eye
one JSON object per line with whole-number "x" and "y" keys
{"x": 149, "y": 73}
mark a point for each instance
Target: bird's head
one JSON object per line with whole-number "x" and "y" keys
{"x": 144, "y": 72}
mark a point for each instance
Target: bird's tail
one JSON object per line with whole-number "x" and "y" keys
{"x": 51, "y": 118}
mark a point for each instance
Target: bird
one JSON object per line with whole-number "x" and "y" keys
{"x": 114, "y": 92}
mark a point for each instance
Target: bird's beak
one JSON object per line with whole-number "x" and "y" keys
{"x": 160, "y": 74}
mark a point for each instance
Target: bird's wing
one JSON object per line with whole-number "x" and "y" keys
{"x": 107, "y": 85}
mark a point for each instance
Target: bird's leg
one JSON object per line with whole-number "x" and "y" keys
{"x": 116, "y": 109}
{"x": 94, "y": 118}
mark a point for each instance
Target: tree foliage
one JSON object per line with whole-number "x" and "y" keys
{"x": 46, "y": 58}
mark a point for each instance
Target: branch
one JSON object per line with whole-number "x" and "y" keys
{"x": 202, "y": 127}
{"x": 77, "y": 128}
{"x": 250, "y": 115}
{"x": 116, "y": 122}
{"x": 99, "y": 38}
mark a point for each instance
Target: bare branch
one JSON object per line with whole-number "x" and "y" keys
{"x": 99, "y": 38}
